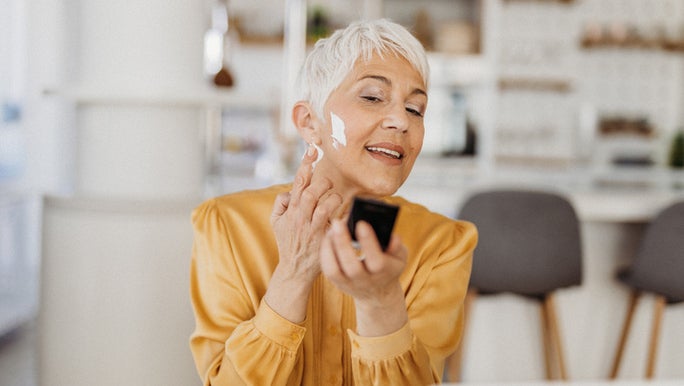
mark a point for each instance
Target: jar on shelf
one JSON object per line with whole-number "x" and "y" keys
{"x": 219, "y": 42}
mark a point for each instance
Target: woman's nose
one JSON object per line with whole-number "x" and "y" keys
{"x": 396, "y": 117}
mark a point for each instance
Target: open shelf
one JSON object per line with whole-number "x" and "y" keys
{"x": 197, "y": 97}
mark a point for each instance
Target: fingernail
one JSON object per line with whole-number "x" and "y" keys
{"x": 337, "y": 226}
{"x": 362, "y": 229}
{"x": 308, "y": 152}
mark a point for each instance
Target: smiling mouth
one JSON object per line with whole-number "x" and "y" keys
{"x": 386, "y": 152}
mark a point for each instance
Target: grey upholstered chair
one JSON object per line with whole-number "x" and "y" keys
{"x": 658, "y": 269}
{"x": 529, "y": 245}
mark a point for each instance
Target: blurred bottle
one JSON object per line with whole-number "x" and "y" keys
{"x": 219, "y": 42}
{"x": 318, "y": 24}
{"x": 677, "y": 150}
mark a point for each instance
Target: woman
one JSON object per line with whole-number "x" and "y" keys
{"x": 280, "y": 293}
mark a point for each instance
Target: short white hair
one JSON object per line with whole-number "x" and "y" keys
{"x": 333, "y": 58}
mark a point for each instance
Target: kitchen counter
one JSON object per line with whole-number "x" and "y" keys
{"x": 604, "y": 195}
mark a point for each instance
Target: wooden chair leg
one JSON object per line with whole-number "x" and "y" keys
{"x": 659, "y": 308}
{"x": 633, "y": 301}
{"x": 455, "y": 361}
{"x": 555, "y": 336}
{"x": 546, "y": 341}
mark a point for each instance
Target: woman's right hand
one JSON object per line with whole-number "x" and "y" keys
{"x": 300, "y": 219}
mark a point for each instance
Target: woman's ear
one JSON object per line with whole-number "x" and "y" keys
{"x": 304, "y": 120}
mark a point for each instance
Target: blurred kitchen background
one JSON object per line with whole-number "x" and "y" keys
{"x": 117, "y": 118}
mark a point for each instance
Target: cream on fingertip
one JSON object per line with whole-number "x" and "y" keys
{"x": 320, "y": 155}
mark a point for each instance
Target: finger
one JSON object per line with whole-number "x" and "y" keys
{"x": 370, "y": 246}
{"x": 366, "y": 236}
{"x": 396, "y": 248}
{"x": 310, "y": 197}
{"x": 324, "y": 211}
{"x": 280, "y": 205}
{"x": 303, "y": 175}
{"x": 329, "y": 263}
{"x": 347, "y": 256}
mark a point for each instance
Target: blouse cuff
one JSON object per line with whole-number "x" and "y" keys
{"x": 277, "y": 328}
{"x": 381, "y": 347}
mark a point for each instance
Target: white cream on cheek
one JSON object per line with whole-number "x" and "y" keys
{"x": 338, "y": 128}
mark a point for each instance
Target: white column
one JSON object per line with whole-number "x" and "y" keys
{"x": 115, "y": 306}
{"x": 294, "y": 51}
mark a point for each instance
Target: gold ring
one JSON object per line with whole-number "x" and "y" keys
{"x": 361, "y": 257}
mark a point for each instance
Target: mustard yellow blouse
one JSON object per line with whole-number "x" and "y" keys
{"x": 239, "y": 340}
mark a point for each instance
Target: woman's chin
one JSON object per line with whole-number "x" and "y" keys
{"x": 383, "y": 190}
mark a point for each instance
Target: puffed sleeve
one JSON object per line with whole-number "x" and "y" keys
{"x": 435, "y": 289}
{"x": 235, "y": 333}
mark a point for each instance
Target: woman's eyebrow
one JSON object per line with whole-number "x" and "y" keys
{"x": 388, "y": 82}
{"x": 378, "y": 77}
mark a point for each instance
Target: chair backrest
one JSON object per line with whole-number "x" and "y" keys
{"x": 529, "y": 242}
{"x": 659, "y": 263}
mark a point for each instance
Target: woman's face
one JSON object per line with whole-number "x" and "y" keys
{"x": 372, "y": 129}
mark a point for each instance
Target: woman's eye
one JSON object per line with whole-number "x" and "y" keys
{"x": 371, "y": 98}
{"x": 414, "y": 111}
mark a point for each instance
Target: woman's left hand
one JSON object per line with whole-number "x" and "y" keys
{"x": 370, "y": 276}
